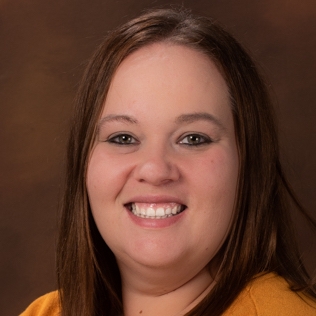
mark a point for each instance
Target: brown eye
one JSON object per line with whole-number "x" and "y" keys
{"x": 195, "y": 140}
{"x": 122, "y": 139}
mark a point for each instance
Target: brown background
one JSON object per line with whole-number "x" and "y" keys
{"x": 44, "y": 47}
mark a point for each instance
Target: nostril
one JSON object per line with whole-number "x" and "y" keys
{"x": 156, "y": 171}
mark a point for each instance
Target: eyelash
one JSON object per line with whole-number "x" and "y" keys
{"x": 130, "y": 140}
{"x": 203, "y": 140}
{"x": 117, "y": 139}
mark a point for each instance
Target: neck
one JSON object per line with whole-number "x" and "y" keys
{"x": 153, "y": 297}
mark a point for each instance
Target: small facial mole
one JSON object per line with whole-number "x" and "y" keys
{"x": 140, "y": 312}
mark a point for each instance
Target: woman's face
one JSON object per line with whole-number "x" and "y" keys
{"x": 163, "y": 171}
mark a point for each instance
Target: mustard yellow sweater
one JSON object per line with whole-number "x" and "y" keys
{"x": 267, "y": 295}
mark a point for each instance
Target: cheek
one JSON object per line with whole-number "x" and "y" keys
{"x": 105, "y": 174}
{"x": 216, "y": 173}
{"x": 215, "y": 181}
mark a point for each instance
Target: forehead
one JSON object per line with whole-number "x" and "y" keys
{"x": 172, "y": 61}
{"x": 164, "y": 74}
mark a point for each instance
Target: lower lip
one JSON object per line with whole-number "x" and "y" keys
{"x": 155, "y": 223}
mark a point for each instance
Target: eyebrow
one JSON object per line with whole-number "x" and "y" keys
{"x": 198, "y": 116}
{"x": 184, "y": 118}
{"x": 117, "y": 118}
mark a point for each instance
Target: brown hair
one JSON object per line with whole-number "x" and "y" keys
{"x": 261, "y": 238}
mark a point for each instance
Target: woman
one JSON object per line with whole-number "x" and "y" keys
{"x": 176, "y": 203}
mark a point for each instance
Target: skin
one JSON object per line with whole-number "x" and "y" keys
{"x": 143, "y": 153}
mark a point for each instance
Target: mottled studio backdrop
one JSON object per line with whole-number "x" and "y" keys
{"x": 44, "y": 46}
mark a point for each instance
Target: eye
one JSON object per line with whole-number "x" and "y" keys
{"x": 195, "y": 140}
{"x": 122, "y": 139}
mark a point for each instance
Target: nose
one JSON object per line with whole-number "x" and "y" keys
{"x": 157, "y": 167}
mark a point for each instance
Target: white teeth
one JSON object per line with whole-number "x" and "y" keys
{"x": 151, "y": 212}
{"x": 174, "y": 210}
{"x": 160, "y": 212}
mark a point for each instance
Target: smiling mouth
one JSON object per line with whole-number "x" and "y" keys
{"x": 155, "y": 210}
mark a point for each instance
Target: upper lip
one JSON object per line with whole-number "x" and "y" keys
{"x": 155, "y": 199}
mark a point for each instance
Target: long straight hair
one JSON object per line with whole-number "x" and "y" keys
{"x": 261, "y": 237}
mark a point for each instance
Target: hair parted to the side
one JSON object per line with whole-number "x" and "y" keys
{"x": 261, "y": 238}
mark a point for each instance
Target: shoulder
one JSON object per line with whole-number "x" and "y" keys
{"x": 46, "y": 305}
{"x": 270, "y": 294}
